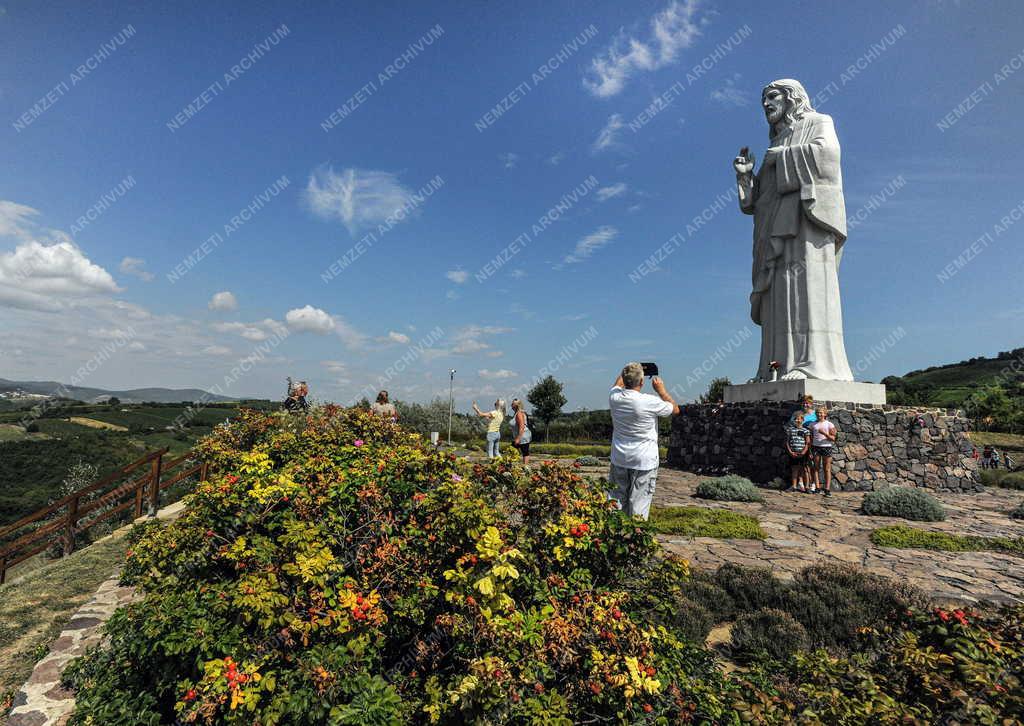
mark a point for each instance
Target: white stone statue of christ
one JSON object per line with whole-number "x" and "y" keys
{"x": 796, "y": 199}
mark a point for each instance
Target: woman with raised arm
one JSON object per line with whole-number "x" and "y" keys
{"x": 494, "y": 419}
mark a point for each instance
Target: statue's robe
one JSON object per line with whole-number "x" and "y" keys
{"x": 799, "y": 231}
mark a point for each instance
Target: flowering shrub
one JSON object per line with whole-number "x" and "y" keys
{"x": 939, "y": 666}
{"x": 337, "y": 570}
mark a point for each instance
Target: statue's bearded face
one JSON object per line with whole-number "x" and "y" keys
{"x": 774, "y": 102}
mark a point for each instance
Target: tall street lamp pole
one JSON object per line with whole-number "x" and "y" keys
{"x": 451, "y": 402}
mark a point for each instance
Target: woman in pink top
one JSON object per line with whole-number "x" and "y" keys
{"x": 823, "y": 436}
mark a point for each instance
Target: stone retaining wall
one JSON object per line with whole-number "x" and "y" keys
{"x": 877, "y": 446}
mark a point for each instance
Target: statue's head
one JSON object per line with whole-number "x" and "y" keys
{"x": 784, "y": 101}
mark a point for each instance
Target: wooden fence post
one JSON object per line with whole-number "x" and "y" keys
{"x": 154, "y": 492}
{"x": 69, "y": 531}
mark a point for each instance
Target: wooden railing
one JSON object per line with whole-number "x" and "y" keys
{"x": 70, "y": 516}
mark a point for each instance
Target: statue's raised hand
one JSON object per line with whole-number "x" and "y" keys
{"x": 744, "y": 163}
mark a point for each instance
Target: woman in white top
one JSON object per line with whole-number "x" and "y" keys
{"x": 494, "y": 419}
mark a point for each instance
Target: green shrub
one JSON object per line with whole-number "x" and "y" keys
{"x": 701, "y": 589}
{"x": 692, "y": 620}
{"x": 767, "y": 633}
{"x": 751, "y": 588}
{"x": 1017, "y": 512}
{"x": 906, "y": 502}
{"x": 910, "y": 538}
{"x": 834, "y": 601}
{"x": 588, "y": 460}
{"x": 1013, "y": 480}
{"x": 704, "y": 522}
{"x": 731, "y": 488}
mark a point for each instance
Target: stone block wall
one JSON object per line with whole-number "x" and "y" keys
{"x": 878, "y": 446}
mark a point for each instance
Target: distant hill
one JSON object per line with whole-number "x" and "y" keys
{"x": 93, "y": 395}
{"x": 952, "y": 384}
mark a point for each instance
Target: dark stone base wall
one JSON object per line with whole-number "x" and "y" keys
{"x": 878, "y": 446}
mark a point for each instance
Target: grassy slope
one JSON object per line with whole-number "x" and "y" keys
{"x": 35, "y": 608}
{"x": 951, "y": 386}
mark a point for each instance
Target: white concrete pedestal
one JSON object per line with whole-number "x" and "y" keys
{"x": 845, "y": 391}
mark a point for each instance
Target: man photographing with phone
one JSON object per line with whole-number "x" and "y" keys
{"x": 634, "y": 465}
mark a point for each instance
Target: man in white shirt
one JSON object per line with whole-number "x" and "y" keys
{"x": 634, "y": 469}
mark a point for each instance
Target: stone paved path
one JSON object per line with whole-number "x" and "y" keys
{"x": 803, "y": 529}
{"x": 42, "y": 701}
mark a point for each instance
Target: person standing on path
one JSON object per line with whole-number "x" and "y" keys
{"x": 522, "y": 435}
{"x": 823, "y": 439}
{"x": 494, "y": 419}
{"x": 634, "y": 460}
{"x": 798, "y": 446}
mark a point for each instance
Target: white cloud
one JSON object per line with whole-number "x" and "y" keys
{"x": 468, "y": 340}
{"x": 517, "y": 274}
{"x": 216, "y": 350}
{"x": 452, "y": 295}
{"x": 496, "y": 375}
{"x": 672, "y": 30}
{"x": 136, "y": 347}
{"x": 590, "y": 244}
{"x": 314, "y": 320}
{"x": 398, "y": 337}
{"x": 223, "y": 301}
{"x": 578, "y": 316}
{"x": 136, "y": 266}
{"x": 605, "y": 193}
{"x": 358, "y": 198}
{"x": 334, "y": 367}
{"x": 36, "y": 276}
{"x": 730, "y": 95}
{"x": 607, "y": 136}
{"x": 310, "y": 320}
{"x": 457, "y": 276}
{"x": 509, "y": 159}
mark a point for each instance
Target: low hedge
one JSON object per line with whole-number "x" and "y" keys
{"x": 1017, "y": 512}
{"x": 731, "y": 488}
{"x": 704, "y": 522}
{"x": 904, "y": 537}
{"x": 905, "y": 502}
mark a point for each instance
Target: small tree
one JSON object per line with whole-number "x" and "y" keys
{"x": 547, "y": 401}
{"x": 716, "y": 391}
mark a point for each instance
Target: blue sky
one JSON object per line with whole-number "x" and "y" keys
{"x": 100, "y": 301}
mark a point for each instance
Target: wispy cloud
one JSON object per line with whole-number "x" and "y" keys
{"x": 608, "y": 134}
{"x": 136, "y": 266}
{"x": 557, "y": 158}
{"x": 590, "y": 244}
{"x": 605, "y": 193}
{"x": 457, "y": 276}
{"x": 730, "y": 95}
{"x": 496, "y": 375}
{"x": 672, "y": 30}
{"x": 358, "y": 198}
{"x": 509, "y": 159}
